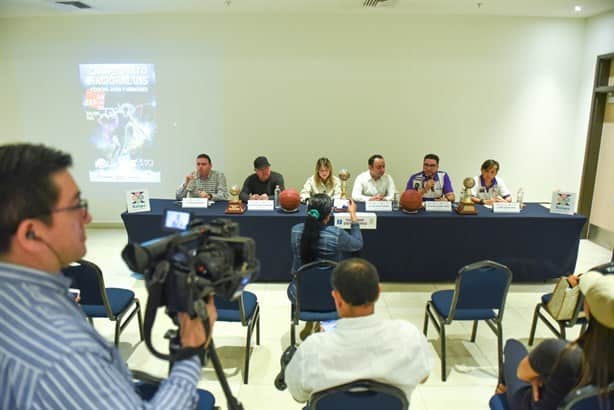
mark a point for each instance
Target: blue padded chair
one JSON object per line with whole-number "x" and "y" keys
{"x": 360, "y": 395}
{"x": 589, "y": 398}
{"x": 542, "y": 313}
{"x": 314, "y": 302}
{"x": 246, "y": 311}
{"x": 146, "y": 387}
{"x": 498, "y": 402}
{"x": 98, "y": 301}
{"x": 480, "y": 294}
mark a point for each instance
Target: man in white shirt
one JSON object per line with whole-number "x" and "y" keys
{"x": 361, "y": 346}
{"x": 374, "y": 184}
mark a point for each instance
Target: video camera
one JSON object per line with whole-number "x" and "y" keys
{"x": 184, "y": 269}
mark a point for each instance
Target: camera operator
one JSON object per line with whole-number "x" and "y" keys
{"x": 361, "y": 346}
{"x": 50, "y": 357}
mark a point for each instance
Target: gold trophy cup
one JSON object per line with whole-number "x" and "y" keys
{"x": 466, "y": 206}
{"x": 235, "y": 205}
{"x": 344, "y": 175}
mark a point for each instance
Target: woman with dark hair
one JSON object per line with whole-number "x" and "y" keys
{"x": 489, "y": 188}
{"x": 322, "y": 181}
{"x": 315, "y": 240}
{"x": 542, "y": 378}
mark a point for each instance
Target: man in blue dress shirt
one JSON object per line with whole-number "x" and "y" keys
{"x": 50, "y": 357}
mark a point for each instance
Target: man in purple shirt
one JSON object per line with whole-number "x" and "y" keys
{"x": 434, "y": 185}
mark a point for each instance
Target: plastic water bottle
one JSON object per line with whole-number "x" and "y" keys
{"x": 277, "y": 191}
{"x": 520, "y": 197}
{"x": 395, "y": 201}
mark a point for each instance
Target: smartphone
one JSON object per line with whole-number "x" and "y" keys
{"x": 328, "y": 325}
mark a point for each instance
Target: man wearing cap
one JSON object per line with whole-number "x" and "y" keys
{"x": 261, "y": 184}
{"x": 541, "y": 379}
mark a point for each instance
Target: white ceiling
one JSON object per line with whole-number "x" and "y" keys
{"x": 545, "y": 8}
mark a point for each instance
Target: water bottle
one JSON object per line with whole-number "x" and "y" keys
{"x": 395, "y": 201}
{"x": 277, "y": 191}
{"x": 520, "y": 197}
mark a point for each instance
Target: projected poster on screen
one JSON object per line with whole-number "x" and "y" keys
{"x": 120, "y": 103}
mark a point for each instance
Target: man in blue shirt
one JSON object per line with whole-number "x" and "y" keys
{"x": 50, "y": 357}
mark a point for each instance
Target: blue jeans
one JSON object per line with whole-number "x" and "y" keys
{"x": 517, "y": 390}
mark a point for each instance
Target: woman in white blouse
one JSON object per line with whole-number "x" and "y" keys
{"x": 488, "y": 187}
{"x": 322, "y": 181}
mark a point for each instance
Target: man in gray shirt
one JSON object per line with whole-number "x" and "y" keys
{"x": 204, "y": 182}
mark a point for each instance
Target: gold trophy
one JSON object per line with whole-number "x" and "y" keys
{"x": 466, "y": 206}
{"x": 235, "y": 205}
{"x": 344, "y": 175}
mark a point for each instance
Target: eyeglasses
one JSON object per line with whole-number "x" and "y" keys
{"x": 82, "y": 205}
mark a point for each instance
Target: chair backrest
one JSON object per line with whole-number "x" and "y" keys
{"x": 589, "y": 398}
{"x": 481, "y": 285}
{"x": 238, "y": 304}
{"x": 360, "y": 395}
{"x": 313, "y": 287}
{"x": 87, "y": 277}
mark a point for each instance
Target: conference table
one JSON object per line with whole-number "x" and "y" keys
{"x": 422, "y": 247}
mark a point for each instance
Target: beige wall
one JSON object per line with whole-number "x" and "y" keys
{"x": 297, "y": 87}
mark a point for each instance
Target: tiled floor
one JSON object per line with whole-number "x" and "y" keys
{"x": 471, "y": 366}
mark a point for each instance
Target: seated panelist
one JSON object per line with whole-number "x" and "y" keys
{"x": 374, "y": 184}
{"x": 322, "y": 181}
{"x": 489, "y": 188}
{"x": 433, "y": 184}
{"x": 204, "y": 182}
{"x": 261, "y": 184}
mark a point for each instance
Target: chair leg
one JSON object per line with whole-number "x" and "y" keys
{"x": 442, "y": 334}
{"x": 534, "y": 324}
{"x": 500, "y": 349}
{"x": 247, "y": 354}
{"x": 426, "y": 320}
{"x": 140, "y": 319}
{"x": 117, "y": 332}
{"x": 474, "y": 331}
{"x": 258, "y": 329}
{"x": 91, "y": 320}
{"x": 562, "y": 327}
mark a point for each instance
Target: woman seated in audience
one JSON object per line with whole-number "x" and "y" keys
{"x": 315, "y": 240}
{"x": 322, "y": 182}
{"x": 489, "y": 188}
{"x": 542, "y": 378}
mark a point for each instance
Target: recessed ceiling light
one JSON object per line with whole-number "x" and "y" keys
{"x": 577, "y": 9}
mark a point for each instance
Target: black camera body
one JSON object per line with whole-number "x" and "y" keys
{"x": 192, "y": 265}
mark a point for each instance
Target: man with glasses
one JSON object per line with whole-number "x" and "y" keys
{"x": 50, "y": 356}
{"x": 433, "y": 184}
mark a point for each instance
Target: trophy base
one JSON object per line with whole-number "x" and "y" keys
{"x": 466, "y": 209}
{"x": 235, "y": 207}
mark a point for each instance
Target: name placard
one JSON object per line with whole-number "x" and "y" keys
{"x": 194, "y": 203}
{"x": 339, "y": 203}
{"x": 378, "y": 206}
{"x": 438, "y": 206}
{"x": 506, "y": 207}
{"x": 563, "y": 203}
{"x": 366, "y": 220}
{"x": 260, "y": 204}
{"x": 137, "y": 200}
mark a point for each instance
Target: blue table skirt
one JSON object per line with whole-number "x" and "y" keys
{"x": 422, "y": 247}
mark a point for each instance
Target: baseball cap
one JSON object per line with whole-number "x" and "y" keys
{"x": 598, "y": 291}
{"x": 261, "y": 162}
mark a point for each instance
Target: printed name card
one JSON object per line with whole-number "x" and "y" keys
{"x": 137, "y": 200}
{"x": 339, "y": 203}
{"x": 563, "y": 203}
{"x": 506, "y": 207}
{"x": 260, "y": 205}
{"x": 366, "y": 220}
{"x": 194, "y": 203}
{"x": 438, "y": 206}
{"x": 378, "y": 206}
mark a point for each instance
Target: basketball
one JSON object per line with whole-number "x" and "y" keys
{"x": 289, "y": 199}
{"x": 411, "y": 200}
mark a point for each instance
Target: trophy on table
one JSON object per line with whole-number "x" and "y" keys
{"x": 235, "y": 205}
{"x": 466, "y": 206}
{"x": 344, "y": 175}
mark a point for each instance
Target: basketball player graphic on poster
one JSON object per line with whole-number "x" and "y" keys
{"x": 119, "y": 101}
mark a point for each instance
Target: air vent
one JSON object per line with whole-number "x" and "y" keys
{"x": 76, "y": 4}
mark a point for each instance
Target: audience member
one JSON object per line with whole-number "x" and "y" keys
{"x": 361, "y": 346}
